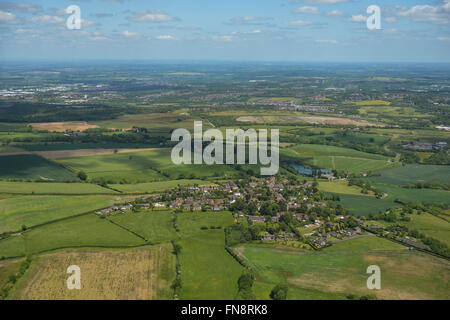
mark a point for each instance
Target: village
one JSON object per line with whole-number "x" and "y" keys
{"x": 271, "y": 209}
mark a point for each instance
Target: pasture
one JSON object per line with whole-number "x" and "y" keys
{"x": 154, "y": 226}
{"x": 341, "y": 269}
{"x": 414, "y": 195}
{"x": 12, "y": 247}
{"x": 84, "y": 231}
{"x": 413, "y": 173}
{"x": 154, "y": 122}
{"x": 30, "y": 166}
{"x": 336, "y": 158}
{"x": 361, "y": 205}
{"x": 55, "y": 188}
{"x": 431, "y": 226}
{"x": 150, "y": 187}
{"x": 340, "y": 187}
{"x": 140, "y": 167}
{"x": 208, "y": 271}
{"x": 137, "y": 274}
{"x": 7, "y": 268}
{"x": 29, "y": 211}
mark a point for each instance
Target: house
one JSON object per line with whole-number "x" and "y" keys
{"x": 256, "y": 218}
{"x": 268, "y": 237}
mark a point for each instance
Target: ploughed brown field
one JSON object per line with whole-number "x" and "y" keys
{"x": 63, "y": 126}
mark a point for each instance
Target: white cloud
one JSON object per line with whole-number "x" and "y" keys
{"x": 47, "y": 19}
{"x": 165, "y": 37}
{"x": 443, "y": 38}
{"x": 250, "y": 20}
{"x": 129, "y": 34}
{"x": 298, "y": 23}
{"x": 222, "y": 38}
{"x": 20, "y": 6}
{"x": 307, "y": 9}
{"x": 358, "y": 18}
{"x": 8, "y": 18}
{"x": 26, "y": 31}
{"x": 151, "y": 16}
{"x": 327, "y": 41}
{"x": 98, "y": 37}
{"x": 439, "y": 14}
{"x": 335, "y": 13}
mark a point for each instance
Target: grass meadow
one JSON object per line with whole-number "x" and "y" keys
{"x": 12, "y": 247}
{"x": 208, "y": 271}
{"x": 362, "y": 205}
{"x": 337, "y": 158}
{"x": 341, "y": 270}
{"x": 155, "y": 226}
{"x": 150, "y": 187}
{"x": 413, "y": 173}
{"x": 34, "y": 210}
{"x": 30, "y": 166}
{"x": 140, "y": 167}
{"x": 54, "y": 188}
{"x": 84, "y": 231}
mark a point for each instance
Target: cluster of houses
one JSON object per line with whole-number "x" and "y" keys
{"x": 291, "y": 198}
{"x": 122, "y": 208}
{"x": 425, "y": 146}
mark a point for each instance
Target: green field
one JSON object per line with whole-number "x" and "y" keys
{"x": 84, "y": 231}
{"x": 361, "y": 205}
{"x": 431, "y": 226}
{"x": 33, "y": 210}
{"x": 190, "y": 223}
{"x": 12, "y": 247}
{"x": 52, "y": 188}
{"x": 413, "y": 173}
{"x": 341, "y": 270}
{"x": 154, "y": 122}
{"x": 414, "y": 195}
{"x": 7, "y": 268}
{"x": 150, "y": 187}
{"x": 139, "y": 167}
{"x": 208, "y": 271}
{"x": 30, "y": 166}
{"x": 155, "y": 226}
{"x": 76, "y": 146}
{"x": 339, "y": 187}
{"x": 337, "y": 158}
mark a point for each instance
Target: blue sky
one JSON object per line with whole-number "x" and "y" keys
{"x": 258, "y": 30}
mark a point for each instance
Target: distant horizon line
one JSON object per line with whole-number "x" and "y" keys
{"x": 198, "y": 61}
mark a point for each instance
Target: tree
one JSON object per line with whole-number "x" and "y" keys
{"x": 245, "y": 281}
{"x": 279, "y": 292}
{"x": 82, "y": 175}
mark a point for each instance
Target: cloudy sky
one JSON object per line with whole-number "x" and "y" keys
{"x": 259, "y": 30}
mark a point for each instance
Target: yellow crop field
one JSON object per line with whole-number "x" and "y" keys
{"x": 373, "y": 103}
{"x": 138, "y": 274}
